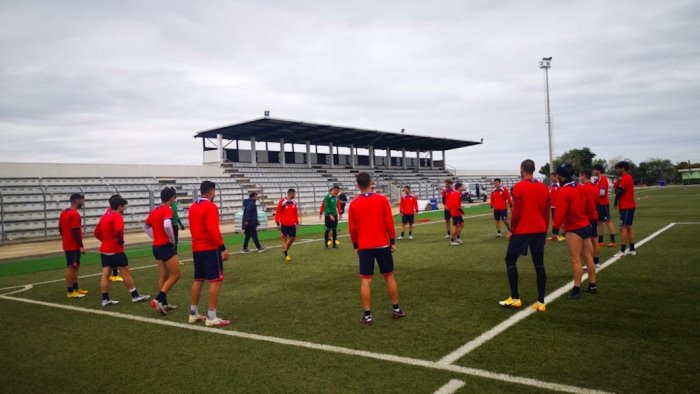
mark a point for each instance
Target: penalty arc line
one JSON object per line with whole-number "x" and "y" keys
{"x": 519, "y": 316}
{"x": 317, "y": 346}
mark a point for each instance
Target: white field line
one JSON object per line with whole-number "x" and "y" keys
{"x": 315, "y": 346}
{"x": 521, "y": 315}
{"x": 451, "y": 386}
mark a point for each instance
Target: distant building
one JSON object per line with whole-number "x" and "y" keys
{"x": 690, "y": 175}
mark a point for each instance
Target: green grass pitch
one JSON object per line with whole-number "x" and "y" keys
{"x": 639, "y": 334}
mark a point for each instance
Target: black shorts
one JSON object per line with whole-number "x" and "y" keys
{"x": 604, "y": 213}
{"x": 384, "y": 259}
{"x": 583, "y": 232}
{"x": 457, "y": 220}
{"x": 331, "y": 224}
{"x": 405, "y": 219}
{"x": 164, "y": 252}
{"x": 288, "y": 231}
{"x": 114, "y": 260}
{"x": 208, "y": 265}
{"x": 520, "y": 243}
{"x": 553, "y": 209}
{"x": 626, "y": 217}
{"x": 594, "y": 229}
{"x": 72, "y": 258}
{"x": 500, "y": 214}
{"x": 447, "y": 215}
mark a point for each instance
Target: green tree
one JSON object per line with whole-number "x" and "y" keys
{"x": 580, "y": 158}
{"x": 654, "y": 169}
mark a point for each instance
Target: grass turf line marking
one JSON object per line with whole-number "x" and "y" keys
{"x": 517, "y": 317}
{"x": 451, "y": 386}
{"x": 316, "y": 346}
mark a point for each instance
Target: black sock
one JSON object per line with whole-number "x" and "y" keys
{"x": 596, "y": 260}
{"x": 591, "y": 286}
{"x": 70, "y": 289}
{"x": 538, "y": 260}
{"x": 134, "y": 293}
{"x": 402, "y": 233}
{"x": 161, "y": 297}
{"x": 396, "y": 307}
{"x": 410, "y": 233}
{"x": 448, "y": 233}
{"x": 612, "y": 238}
{"x": 105, "y": 296}
{"x": 368, "y": 313}
{"x": 285, "y": 253}
{"x": 600, "y": 239}
{"x": 335, "y": 235}
{"x": 576, "y": 290}
{"x": 115, "y": 272}
{"x": 623, "y": 247}
{"x": 75, "y": 286}
{"x": 631, "y": 245}
{"x": 325, "y": 236}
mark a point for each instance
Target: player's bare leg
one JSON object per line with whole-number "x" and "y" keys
{"x": 574, "y": 244}
{"x": 366, "y": 293}
{"x": 196, "y": 292}
{"x": 392, "y": 289}
{"x": 104, "y": 279}
{"x": 172, "y": 274}
{"x": 213, "y": 297}
{"x": 587, "y": 255}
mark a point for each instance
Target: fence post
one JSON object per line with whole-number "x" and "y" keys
{"x": 46, "y": 219}
{"x": 2, "y": 219}
{"x": 82, "y": 192}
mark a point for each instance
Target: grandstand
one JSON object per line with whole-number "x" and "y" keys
{"x": 32, "y": 195}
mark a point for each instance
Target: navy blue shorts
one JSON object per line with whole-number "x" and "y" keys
{"x": 407, "y": 219}
{"x": 288, "y": 231}
{"x": 520, "y": 243}
{"x": 114, "y": 260}
{"x": 447, "y": 215}
{"x": 457, "y": 220}
{"x": 208, "y": 265}
{"x": 72, "y": 258}
{"x": 583, "y": 232}
{"x": 626, "y": 217}
{"x": 164, "y": 252}
{"x": 604, "y": 213}
{"x": 384, "y": 259}
{"x": 500, "y": 214}
{"x": 331, "y": 224}
{"x": 594, "y": 229}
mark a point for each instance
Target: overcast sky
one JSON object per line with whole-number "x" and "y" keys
{"x": 132, "y": 81}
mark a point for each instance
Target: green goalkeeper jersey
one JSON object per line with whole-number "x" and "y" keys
{"x": 330, "y": 205}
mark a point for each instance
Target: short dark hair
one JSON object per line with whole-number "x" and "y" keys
{"x": 167, "y": 193}
{"x": 528, "y": 166}
{"x": 586, "y": 173}
{"x": 565, "y": 170}
{"x": 76, "y": 196}
{"x": 335, "y": 187}
{"x": 458, "y": 185}
{"x": 624, "y": 165}
{"x": 206, "y": 187}
{"x": 497, "y": 180}
{"x": 448, "y": 180}
{"x": 117, "y": 201}
{"x": 599, "y": 167}
{"x": 407, "y": 187}
{"x": 363, "y": 180}
{"x": 252, "y": 194}
{"x": 291, "y": 191}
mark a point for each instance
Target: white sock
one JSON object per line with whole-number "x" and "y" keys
{"x": 194, "y": 310}
{"x": 211, "y": 314}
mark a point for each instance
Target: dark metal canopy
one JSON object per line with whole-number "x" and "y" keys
{"x": 294, "y": 132}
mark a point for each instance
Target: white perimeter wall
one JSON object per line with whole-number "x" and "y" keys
{"x": 70, "y": 170}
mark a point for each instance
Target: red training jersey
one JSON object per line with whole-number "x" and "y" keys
{"x": 287, "y": 213}
{"x": 500, "y": 199}
{"x": 554, "y": 193}
{"x": 603, "y": 190}
{"x": 68, "y": 221}
{"x": 156, "y": 220}
{"x": 204, "y": 226}
{"x": 445, "y": 192}
{"x": 454, "y": 203}
{"x": 627, "y": 198}
{"x": 571, "y": 209}
{"x": 592, "y": 196}
{"x": 530, "y": 207}
{"x": 408, "y": 204}
{"x": 370, "y": 222}
{"x": 110, "y": 232}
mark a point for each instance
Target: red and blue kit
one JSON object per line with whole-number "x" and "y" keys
{"x": 71, "y": 236}
{"x": 627, "y": 198}
{"x": 408, "y": 204}
{"x": 572, "y": 210}
{"x": 287, "y": 213}
{"x": 500, "y": 199}
{"x": 207, "y": 243}
{"x": 110, "y": 232}
{"x": 371, "y": 228}
{"x": 454, "y": 203}
{"x": 156, "y": 219}
{"x": 603, "y": 189}
{"x": 592, "y": 197}
{"x": 554, "y": 193}
{"x": 531, "y": 202}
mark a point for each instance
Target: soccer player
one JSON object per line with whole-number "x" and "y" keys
{"x": 372, "y": 233}
{"x": 592, "y": 197}
{"x": 330, "y": 208}
{"x": 287, "y": 219}
{"x": 500, "y": 200}
{"x": 208, "y": 253}
{"x": 454, "y": 203}
{"x": 110, "y": 232}
{"x": 553, "y": 193}
{"x": 69, "y": 226}
{"x": 177, "y": 223}
{"x": 446, "y": 191}
{"x": 529, "y": 226}
{"x": 343, "y": 202}
{"x": 603, "y": 206}
{"x": 624, "y": 197}
{"x": 408, "y": 206}
{"x": 251, "y": 223}
{"x": 572, "y": 214}
{"x": 160, "y": 227}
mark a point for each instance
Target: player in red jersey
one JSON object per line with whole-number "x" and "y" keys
{"x": 529, "y": 225}
{"x": 408, "y": 206}
{"x": 287, "y": 219}
{"x": 208, "y": 253}
{"x": 160, "y": 227}
{"x": 572, "y": 214}
{"x": 604, "y": 219}
{"x": 592, "y": 196}
{"x": 500, "y": 201}
{"x": 446, "y": 191}
{"x": 624, "y": 197}
{"x": 110, "y": 232}
{"x": 454, "y": 204}
{"x": 70, "y": 228}
{"x": 372, "y": 233}
{"x": 553, "y": 193}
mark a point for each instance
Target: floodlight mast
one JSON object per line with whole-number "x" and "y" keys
{"x": 546, "y": 64}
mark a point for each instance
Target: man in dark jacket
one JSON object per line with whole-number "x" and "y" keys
{"x": 251, "y": 223}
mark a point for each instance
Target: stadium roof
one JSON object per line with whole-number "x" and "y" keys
{"x": 295, "y": 132}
